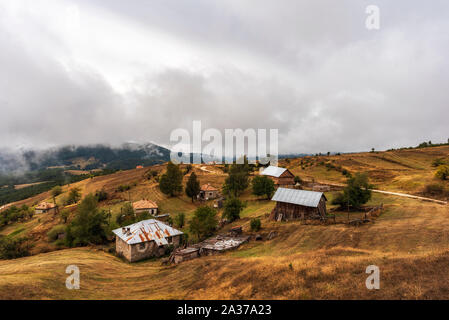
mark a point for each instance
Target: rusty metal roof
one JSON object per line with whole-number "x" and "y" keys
{"x": 273, "y": 171}
{"x": 299, "y": 197}
{"x": 146, "y": 230}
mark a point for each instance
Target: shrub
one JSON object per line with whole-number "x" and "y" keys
{"x": 442, "y": 172}
{"x": 356, "y": 193}
{"x": 203, "y": 223}
{"x": 232, "y": 209}
{"x": 55, "y": 232}
{"x": 438, "y": 162}
{"x": 263, "y": 186}
{"x": 11, "y": 248}
{"x": 101, "y": 195}
{"x": 435, "y": 189}
{"x": 74, "y": 196}
{"x": 255, "y": 224}
{"x": 179, "y": 220}
{"x": 127, "y": 215}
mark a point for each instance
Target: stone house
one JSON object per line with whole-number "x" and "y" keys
{"x": 208, "y": 192}
{"x": 142, "y": 206}
{"x": 293, "y": 204}
{"x": 282, "y": 177}
{"x": 145, "y": 239}
{"x": 45, "y": 207}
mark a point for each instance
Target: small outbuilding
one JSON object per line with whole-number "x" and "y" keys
{"x": 293, "y": 204}
{"x": 45, "y": 207}
{"x": 282, "y": 177}
{"x": 208, "y": 192}
{"x": 145, "y": 239}
{"x": 142, "y": 206}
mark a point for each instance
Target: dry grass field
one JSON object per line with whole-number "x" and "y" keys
{"x": 409, "y": 242}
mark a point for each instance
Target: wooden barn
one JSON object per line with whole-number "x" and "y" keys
{"x": 282, "y": 177}
{"x": 293, "y": 204}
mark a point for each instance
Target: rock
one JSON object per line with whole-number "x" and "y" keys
{"x": 165, "y": 261}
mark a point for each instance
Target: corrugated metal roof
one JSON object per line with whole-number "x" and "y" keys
{"x": 300, "y": 197}
{"x": 273, "y": 171}
{"x": 146, "y": 230}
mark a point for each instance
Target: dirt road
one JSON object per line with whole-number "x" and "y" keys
{"x": 392, "y": 193}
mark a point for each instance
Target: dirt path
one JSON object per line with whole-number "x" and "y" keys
{"x": 405, "y": 195}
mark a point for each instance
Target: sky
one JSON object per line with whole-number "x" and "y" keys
{"x": 91, "y": 71}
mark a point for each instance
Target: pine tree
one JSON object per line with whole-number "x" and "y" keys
{"x": 192, "y": 186}
{"x": 171, "y": 181}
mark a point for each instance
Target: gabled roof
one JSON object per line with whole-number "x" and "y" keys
{"x": 208, "y": 187}
{"x": 45, "y": 206}
{"x": 273, "y": 171}
{"x": 144, "y": 204}
{"x": 146, "y": 230}
{"x": 299, "y": 197}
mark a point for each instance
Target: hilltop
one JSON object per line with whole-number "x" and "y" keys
{"x": 409, "y": 241}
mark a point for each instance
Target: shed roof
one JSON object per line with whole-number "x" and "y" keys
{"x": 45, "y": 206}
{"x": 273, "y": 171}
{"x": 208, "y": 187}
{"x": 146, "y": 230}
{"x": 144, "y": 204}
{"x": 299, "y": 197}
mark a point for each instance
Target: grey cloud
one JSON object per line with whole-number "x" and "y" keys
{"x": 325, "y": 81}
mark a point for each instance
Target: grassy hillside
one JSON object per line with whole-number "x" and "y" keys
{"x": 405, "y": 170}
{"x": 409, "y": 242}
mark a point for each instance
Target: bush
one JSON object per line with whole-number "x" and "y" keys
{"x": 442, "y": 172}
{"x": 55, "y": 232}
{"x": 263, "y": 186}
{"x": 179, "y": 220}
{"x": 438, "y": 162}
{"x": 356, "y": 193}
{"x": 255, "y": 224}
{"x": 11, "y": 248}
{"x": 127, "y": 215}
{"x": 232, "y": 209}
{"x": 435, "y": 189}
{"x": 123, "y": 188}
{"x": 74, "y": 196}
{"x": 101, "y": 195}
{"x": 203, "y": 223}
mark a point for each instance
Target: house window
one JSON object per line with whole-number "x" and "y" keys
{"x": 142, "y": 246}
{"x": 170, "y": 239}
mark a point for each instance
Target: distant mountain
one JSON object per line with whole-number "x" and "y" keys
{"x": 89, "y": 157}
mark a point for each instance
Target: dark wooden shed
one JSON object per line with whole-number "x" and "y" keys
{"x": 292, "y": 204}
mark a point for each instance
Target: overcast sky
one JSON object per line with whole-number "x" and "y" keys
{"x": 111, "y": 71}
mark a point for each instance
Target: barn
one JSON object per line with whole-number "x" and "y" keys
{"x": 282, "y": 177}
{"x": 293, "y": 204}
{"x": 145, "y": 239}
